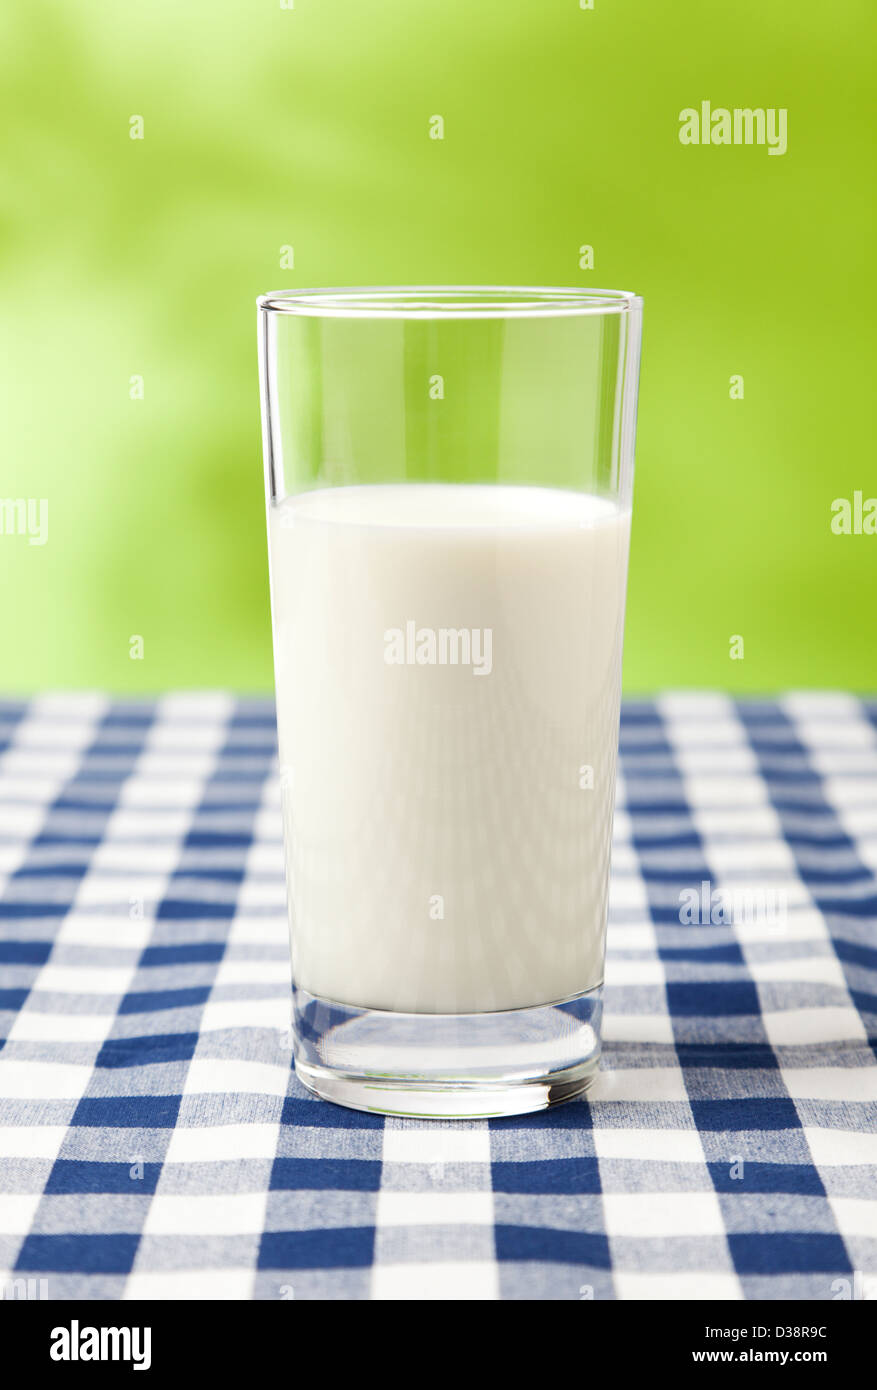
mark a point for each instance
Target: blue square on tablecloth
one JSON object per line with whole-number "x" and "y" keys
{"x": 132, "y": 1112}
{"x": 563, "y": 1176}
{"x": 758, "y": 1112}
{"x": 712, "y": 998}
{"x": 84, "y": 1253}
{"x": 348, "y": 1175}
{"x": 558, "y": 1246}
{"x": 347, "y": 1247}
{"x": 153, "y": 1001}
{"x": 81, "y": 1175}
{"x": 148, "y": 1050}
{"x": 788, "y": 1252}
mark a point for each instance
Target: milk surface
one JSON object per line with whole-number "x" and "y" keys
{"x": 447, "y": 662}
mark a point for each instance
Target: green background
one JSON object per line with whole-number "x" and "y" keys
{"x": 309, "y": 127}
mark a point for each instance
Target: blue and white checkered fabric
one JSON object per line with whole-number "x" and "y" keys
{"x": 154, "y": 1141}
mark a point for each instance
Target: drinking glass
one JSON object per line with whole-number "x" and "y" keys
{"x": 448, "y": 476}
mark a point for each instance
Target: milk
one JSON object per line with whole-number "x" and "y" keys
{"x": 447, "y": 662}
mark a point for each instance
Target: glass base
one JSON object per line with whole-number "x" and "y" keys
{"x": 448, "y": 1066}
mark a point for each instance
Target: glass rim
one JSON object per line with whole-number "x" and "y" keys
{"x": 440, "y": 302}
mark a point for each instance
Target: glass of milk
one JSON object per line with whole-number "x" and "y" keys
{"x": 448, "y": 476}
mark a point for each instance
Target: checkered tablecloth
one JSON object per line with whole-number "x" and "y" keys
{"x": 155, "y": 1142}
